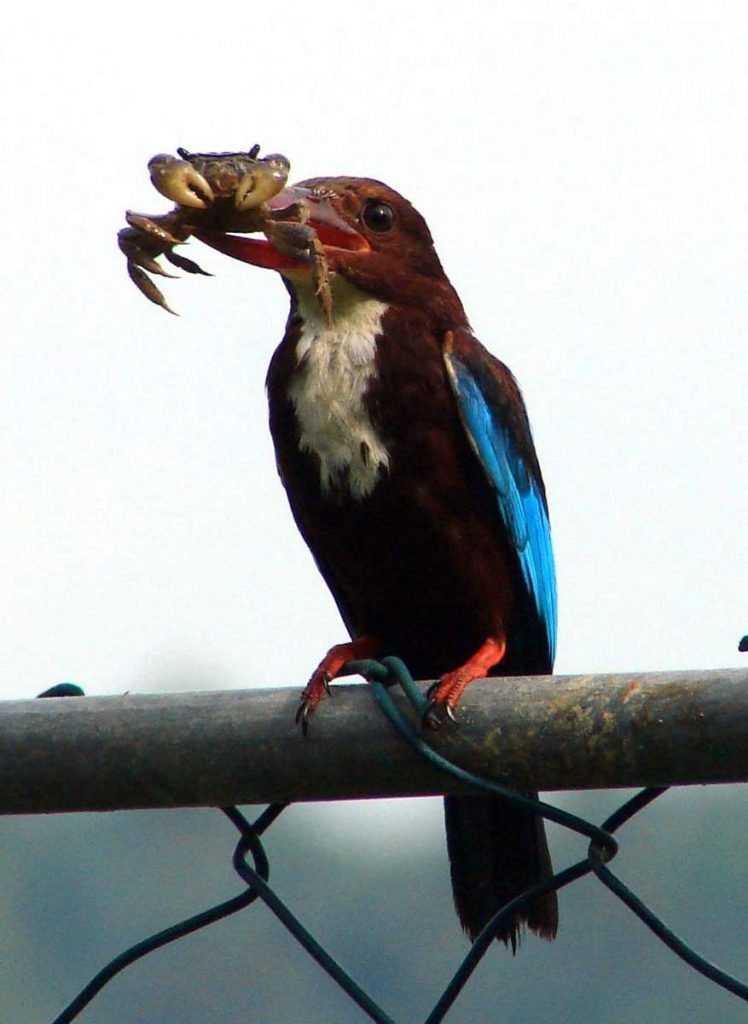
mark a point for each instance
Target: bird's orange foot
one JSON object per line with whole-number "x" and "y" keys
{"x": 330, "y": 667}
{"x": 446, "y": 692}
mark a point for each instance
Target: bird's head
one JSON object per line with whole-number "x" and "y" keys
{"x": 371, "y": 236}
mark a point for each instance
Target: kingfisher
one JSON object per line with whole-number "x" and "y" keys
{"x": 405, "y": 450}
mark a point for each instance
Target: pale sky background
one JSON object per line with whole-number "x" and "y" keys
{"x": 583, "y": 168}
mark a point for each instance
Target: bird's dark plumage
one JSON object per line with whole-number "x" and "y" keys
{"x": 406, "y": 453}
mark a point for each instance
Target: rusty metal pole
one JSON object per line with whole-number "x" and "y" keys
{"x": 218, "y": 748}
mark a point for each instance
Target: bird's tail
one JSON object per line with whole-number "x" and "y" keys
{"x": 496, "y": 852}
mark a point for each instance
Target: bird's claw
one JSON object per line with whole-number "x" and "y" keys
{"x": 444, "y": 695}
{"x": 303, "y": 714}
{"x": 436, "y": 710}
{"x": 328, "y": 669}
{"x": 311, "y": 695}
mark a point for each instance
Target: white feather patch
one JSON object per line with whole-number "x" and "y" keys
{"x": 336, "y": 363}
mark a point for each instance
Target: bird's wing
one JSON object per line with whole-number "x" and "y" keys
{"x": 495, "y": 420}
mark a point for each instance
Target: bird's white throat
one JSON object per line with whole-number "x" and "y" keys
{"x": 335, "y": 366}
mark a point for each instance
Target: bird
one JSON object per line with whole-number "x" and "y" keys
{"x": 405, "y": 450}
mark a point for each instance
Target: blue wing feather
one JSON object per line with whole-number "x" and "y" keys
{"x": 502, "y": 444}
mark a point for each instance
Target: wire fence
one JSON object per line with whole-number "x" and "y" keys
{"x": 602, "y": 848}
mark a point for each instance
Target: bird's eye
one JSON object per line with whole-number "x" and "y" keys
{"x": 378, "y": 216}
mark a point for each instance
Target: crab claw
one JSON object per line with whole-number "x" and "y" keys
{"x": 179, "y": 181}
{"x": 266, "y": 179}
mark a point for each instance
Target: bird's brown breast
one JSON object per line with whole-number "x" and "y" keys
{"x": 414, "y": 558}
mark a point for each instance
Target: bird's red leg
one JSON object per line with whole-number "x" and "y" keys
{"x": 447, "y": 691}
{"x": 328, "y": 669}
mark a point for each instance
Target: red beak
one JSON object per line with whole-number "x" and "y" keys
{"x": 332, "y": 231}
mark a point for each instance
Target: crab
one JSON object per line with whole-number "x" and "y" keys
{"x": 219, "y": 192}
